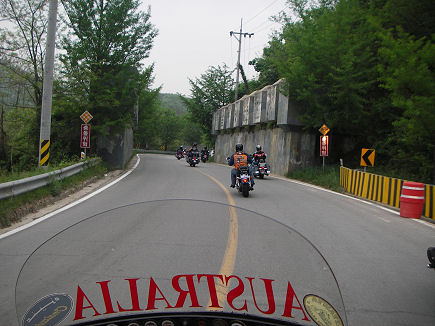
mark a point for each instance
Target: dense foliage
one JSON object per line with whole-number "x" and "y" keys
{"x": 101, "y": 70}
{"x": 367, "y": 69}
{"x": 174, "y": 102}
{"x": 22, "y": 56}
{"x": 212, "y": 90}
{"x": 103, "y": 54}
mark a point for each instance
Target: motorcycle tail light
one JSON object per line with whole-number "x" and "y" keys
{"x": 245, "y": 180}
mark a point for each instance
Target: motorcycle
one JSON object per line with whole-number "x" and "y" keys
{"x": 123, "y": 267}
{"x": 431, "y": 257}
{"x": 179, "y": 155}
{"x": 193, "y": 159}
{"x": 204, "y": 157}
{"x": 243, "y": 181}
{"x": 261, "y": 169}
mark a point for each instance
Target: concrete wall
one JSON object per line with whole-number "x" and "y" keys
{"x": 116, "y": 149}
{"x": 287, "y": 146}
{"x": 286, "y": 149}
{"x": 268, "y": 105}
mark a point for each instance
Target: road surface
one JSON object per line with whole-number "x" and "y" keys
{"x": 377, "y": 257}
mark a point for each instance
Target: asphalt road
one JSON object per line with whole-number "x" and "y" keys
{"x": 377, "y": 257}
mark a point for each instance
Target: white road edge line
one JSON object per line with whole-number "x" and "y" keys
{"x": 43, "y": 218}
{"x": 431, "y": 225}
{"x": 425, "y": 223}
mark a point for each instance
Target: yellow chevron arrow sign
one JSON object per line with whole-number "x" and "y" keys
{"x": 367, "y": 157}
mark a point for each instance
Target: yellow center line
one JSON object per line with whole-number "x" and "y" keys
{"x": 229, "y": 260}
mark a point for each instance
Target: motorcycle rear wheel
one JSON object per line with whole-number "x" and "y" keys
{"x": 245, "y": 190}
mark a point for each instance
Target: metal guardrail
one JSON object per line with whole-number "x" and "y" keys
{"x": 18, "y": 187}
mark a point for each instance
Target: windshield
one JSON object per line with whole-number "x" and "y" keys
{"x": 113, "y": 268}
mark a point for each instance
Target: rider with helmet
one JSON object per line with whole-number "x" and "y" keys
{"x": 240, "y": 157}
{"x": 205, "y": 151}
{"x": 204, "y": 154}
{"x": 259, "y": 154}
{"x": 193, "y": 150}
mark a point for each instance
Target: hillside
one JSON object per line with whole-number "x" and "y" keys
{"x": 173, "y": 102}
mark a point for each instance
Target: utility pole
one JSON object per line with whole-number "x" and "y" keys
{"x": 238, "y": 56}
{"x": 47, "y": 86}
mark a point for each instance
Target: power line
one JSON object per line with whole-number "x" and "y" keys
{"x": 262, "y": 11}
{"x": 265, "y": 27}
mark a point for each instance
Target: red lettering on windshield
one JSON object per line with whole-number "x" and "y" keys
{"x": 133, "y": 295}
{"x": 289, "y": 303}
{"x": 269, "y": 294}
{"x": 184, "y": 289}
{"x": 236, "y": 292}
{"x": 183, "y": 293}
{"x": 80, "y": 299}
{"x": 152, "y": 296}
{"x": 106, "y": 297}
{"x": 212, "y": 288}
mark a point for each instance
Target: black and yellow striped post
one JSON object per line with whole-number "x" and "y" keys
{"x": 45, "y": 152}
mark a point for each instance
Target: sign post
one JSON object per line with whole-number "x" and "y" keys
{"x": 324, "y": 143}
{"x": 85, "y": 133}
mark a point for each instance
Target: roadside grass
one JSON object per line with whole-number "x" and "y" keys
{"x": 12, "y": 176}
{"x": 328, "y": 178}
{"x": 14, "y": 208}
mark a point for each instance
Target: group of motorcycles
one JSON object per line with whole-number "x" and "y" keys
{"x": 243, "y": 179}
{"x": 194, "y": 158}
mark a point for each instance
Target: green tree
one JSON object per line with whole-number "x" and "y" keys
{"x": 414, "y": 17}
{"x": 22, "y": 53}
{"x": 190, "y": 132}
{"x": 169, "y": 128}
{"x": 366, "y": 68}
{"x": 329, "y": 59}
{"x": 408, "y": 73}
{"x": 146, "y": 135}
{"x": 268, "y": 73}
{"x": 104, "y": 49}
{"x": 209, "y": 92}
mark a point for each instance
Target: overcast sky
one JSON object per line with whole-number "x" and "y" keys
{"x": 195, "y": 34}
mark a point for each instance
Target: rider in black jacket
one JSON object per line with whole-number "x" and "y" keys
{"x": 193, "y": 150}
{"x": 205, "y": 151}
{"x": 259, "y": 155}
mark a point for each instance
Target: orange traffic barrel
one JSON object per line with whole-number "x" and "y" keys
{"x": 412, "y": 199}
